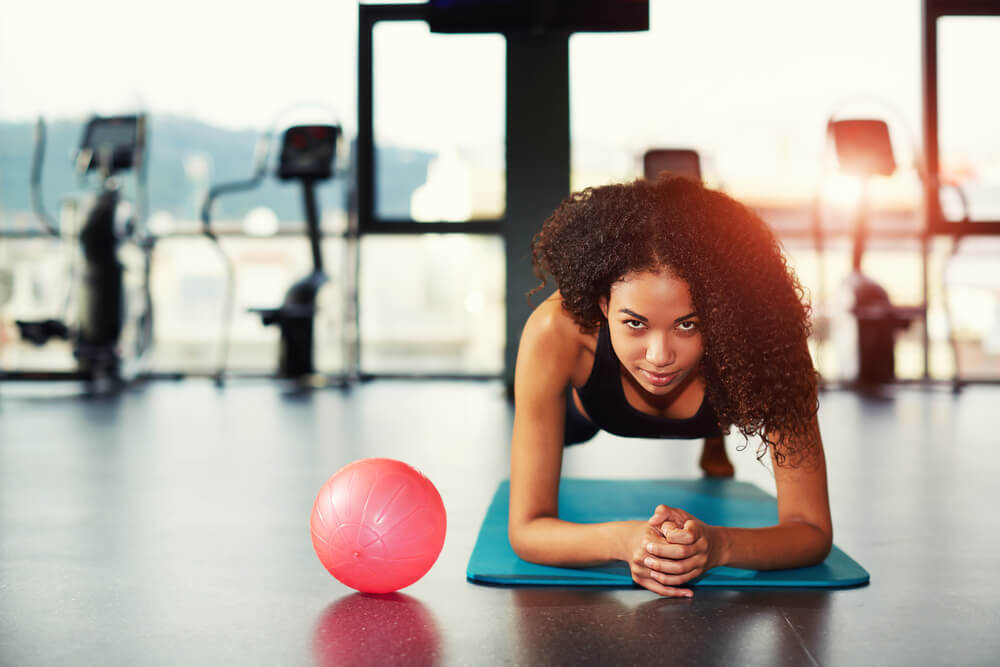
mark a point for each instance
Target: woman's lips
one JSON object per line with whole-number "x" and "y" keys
{"x": 658, "y": 379}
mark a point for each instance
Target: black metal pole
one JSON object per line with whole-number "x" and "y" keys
{"x": 538, "y": 158}
{"x": 312, "y": 224}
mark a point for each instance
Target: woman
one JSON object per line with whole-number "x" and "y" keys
{"x": 675, "y": 316}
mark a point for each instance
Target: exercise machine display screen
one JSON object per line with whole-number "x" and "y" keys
{"x": 863, "y": 146}
{"x": 307, "y": 152}
{"x": 677, "y": 160}
{"x": 117, "y": 134}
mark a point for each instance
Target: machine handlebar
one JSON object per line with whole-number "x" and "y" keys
{"x": 260, "y": 170}
{"x": 37, "y": 157}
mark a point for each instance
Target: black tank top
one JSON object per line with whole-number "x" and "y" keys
{"x": 604, "y": 400}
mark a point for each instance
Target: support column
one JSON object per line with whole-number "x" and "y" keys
{"x": 537, "y": 164}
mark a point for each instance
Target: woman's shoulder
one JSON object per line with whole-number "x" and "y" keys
{"x": 550, "y": 322}
{"x": 552, "y": 333}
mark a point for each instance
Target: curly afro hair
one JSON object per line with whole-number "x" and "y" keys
{"x": 754, "y": 317}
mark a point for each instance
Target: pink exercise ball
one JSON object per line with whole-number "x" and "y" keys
{"x": 378, "y": 525}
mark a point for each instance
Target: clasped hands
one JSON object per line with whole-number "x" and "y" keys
{"x": 674, "y": 548}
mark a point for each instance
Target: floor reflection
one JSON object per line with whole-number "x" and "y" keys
{"x": 367, "y": 629}
{"x": 563, "y": 626}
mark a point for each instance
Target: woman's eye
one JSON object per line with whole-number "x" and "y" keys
{"x": 688, "y": 325}
{"x": 634, "y": 324}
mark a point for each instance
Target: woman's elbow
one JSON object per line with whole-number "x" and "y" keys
{"x": 813, "y": 542}
{"x": 519, "y": 535}
{"x": 515, "y": 537}
{"x": 518, "y": 542}
{"x": 822, "y": 544}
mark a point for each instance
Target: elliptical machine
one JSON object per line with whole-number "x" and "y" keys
{"x": 105, "y": 308}
{"x": 307, "y": 156}
{"x": 863, "y": 147}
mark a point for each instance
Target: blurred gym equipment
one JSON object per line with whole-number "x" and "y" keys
{"x": 109, "y": 324}
{"x": 306, "y": 157}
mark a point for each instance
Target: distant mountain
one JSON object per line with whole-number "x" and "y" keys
{"x": 179, "y": 150}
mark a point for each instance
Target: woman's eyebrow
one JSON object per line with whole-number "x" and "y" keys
{"x": 637, "y": 316}
{"x": 633, "y": 314}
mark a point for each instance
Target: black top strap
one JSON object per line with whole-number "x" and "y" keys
{"x": 603, "y": 398}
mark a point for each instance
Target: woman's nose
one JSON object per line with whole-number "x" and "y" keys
{"x": 659, "y": 351}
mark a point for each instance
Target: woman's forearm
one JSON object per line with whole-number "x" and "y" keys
{"x": 791, "y": 544}
{"x": 552, "y": 541}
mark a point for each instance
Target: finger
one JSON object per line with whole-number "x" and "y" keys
{"x": 693, "y": 567}
{"x": 666, "y": 591}
{"x": 657, "y": 565}
{"x": 679, "y": 567}
{"x": 671, "y": 551}
{"x": 674, "y": 579}
{"x": 667, "y": 513}
{"x": 661, "y": 528}
{"x": 677, "y": 535}
{"x": 671, "y": 580}
{"x": 674, "y": 567}
{"x": 660, "y": 515}
{"x": 677, "y": 515}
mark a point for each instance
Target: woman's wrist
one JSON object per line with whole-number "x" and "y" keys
{"x": 722, "y": 546}
{"x": 625, "y": 532}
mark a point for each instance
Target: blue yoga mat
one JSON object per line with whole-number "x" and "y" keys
{"x": 714, "y": 501}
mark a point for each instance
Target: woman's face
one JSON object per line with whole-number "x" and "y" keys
{"x": 654, "y": 329}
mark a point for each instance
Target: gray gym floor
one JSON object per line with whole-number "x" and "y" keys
{"x": 170, "y": 526}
